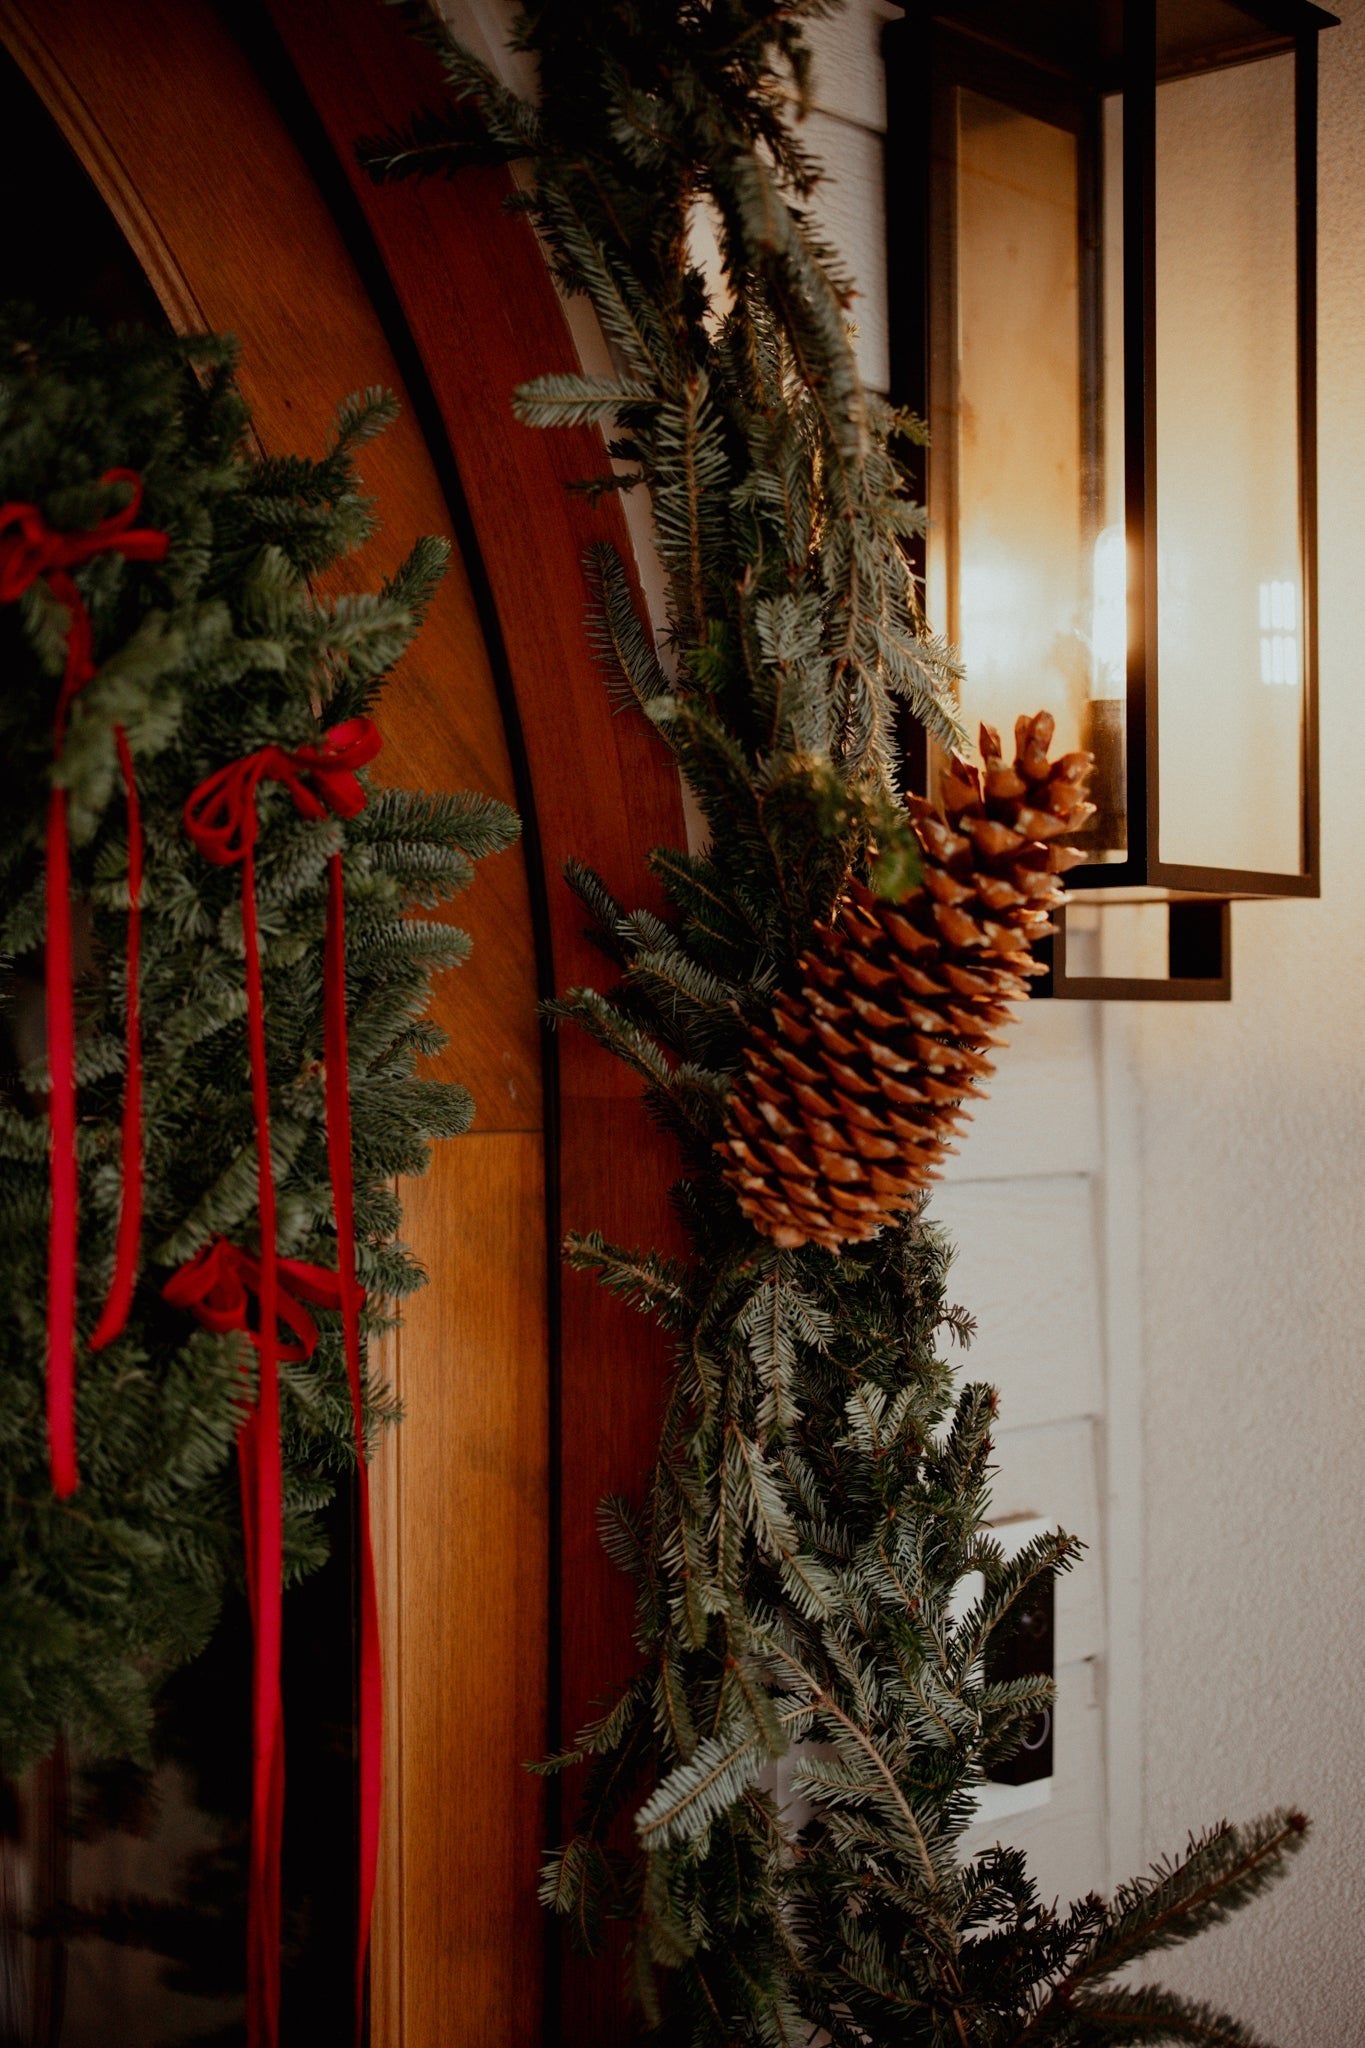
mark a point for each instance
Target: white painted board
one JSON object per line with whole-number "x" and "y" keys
{"x": 1043, "y": 1112}
{"x": 847, "y": 75}
{"x": 1051, "y": 1472}
{"x": 1026, "y": 1269}
{"x": 849, "y": 210}
{"x": 1065, "y": 1838}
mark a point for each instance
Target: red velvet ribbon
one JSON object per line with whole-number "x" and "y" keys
{"x": 225, "y": 1288}
{"x": 217, "y": 1285}
{"x": 221, "y": 819}
{"x": 30, "y": 549}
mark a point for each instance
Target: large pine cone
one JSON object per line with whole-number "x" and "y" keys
{"x": 854, "y": 1085}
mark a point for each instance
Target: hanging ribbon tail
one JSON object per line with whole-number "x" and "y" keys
{"x": 114, "y": 1315}
{"x": 337, "y": 1063}
{"x": 371, "y": 1746}
{"x": 263, "y": 1893}
{"x": 224, "y": 1259}
{"x": 263, "y": 1500}
{"x": 61, "y": 1254}
{"x": 220, "y": 818}
{"x": 33, "y": 551}
{"x": 256, "y": 1930}
{"x": 267, "y": 1791}
{"x": 217, "y": 1287}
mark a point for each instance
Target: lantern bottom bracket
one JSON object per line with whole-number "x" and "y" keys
{"x": 1198, "y": 952}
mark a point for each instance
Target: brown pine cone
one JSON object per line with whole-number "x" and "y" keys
{"x": 853, "y": 1086}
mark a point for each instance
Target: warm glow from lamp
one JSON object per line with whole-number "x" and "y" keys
{"x": 1280, "y": 633}
{"x": 1109, "y": 631}
{"x": 1229, "y": 598}
{"x": 1017, "y": 513}
{"x": 1117, "y": 479}
{"x": 997, "y": 605}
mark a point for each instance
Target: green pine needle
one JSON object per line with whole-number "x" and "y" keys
{"x": 822, "y": 1482}
{"x": 219, "y": 649}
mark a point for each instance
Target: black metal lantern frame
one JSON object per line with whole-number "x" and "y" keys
{"x": 1081, "y": 79}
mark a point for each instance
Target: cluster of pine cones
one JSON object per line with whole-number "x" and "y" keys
{"x": 854, "y": 1085}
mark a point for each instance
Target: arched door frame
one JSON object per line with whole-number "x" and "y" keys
{"x": 481, "y": 309}
{"x": 470, "y": 311}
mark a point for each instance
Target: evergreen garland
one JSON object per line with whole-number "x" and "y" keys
{"x": 219, "y": 649}
{"x": 821, "y": 1486}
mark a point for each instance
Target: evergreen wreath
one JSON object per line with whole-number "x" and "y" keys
{"x": 217, "y": 648}
{"x": 822, "y": 1485}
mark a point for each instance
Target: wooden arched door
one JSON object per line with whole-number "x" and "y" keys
{"x": 220, "y": 139}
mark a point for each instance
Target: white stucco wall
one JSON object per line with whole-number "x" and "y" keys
{"x": 1248, "y": 1372}
{"x": 1252, "y": 1120}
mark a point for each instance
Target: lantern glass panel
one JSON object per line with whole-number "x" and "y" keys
{"x": 1105, "y": 734}
{"x": 1230, "y": 638}
{"x": 1021, "y": 565}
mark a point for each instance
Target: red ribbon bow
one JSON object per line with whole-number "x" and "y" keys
{"x": 221, "y": 819}
{"x": 221, "y": 816}
{"x": 218, "y": 1284}
{"x": 224, "y": 1288}
{"x": 30, "y": 549}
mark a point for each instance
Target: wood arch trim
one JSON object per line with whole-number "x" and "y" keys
{"x": 472, "y": 312}
{"x": 483, "y": 315}
{"x": 179, "y": 136}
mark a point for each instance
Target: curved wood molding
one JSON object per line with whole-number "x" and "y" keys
{"x": 175, "y": 128}
{"x": 251, "y": 215}
{"x": 219, "y": 206}
{"x": 482, "y": 311}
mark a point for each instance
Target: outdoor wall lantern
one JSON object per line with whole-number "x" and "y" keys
{"x": 1103, "y": 296}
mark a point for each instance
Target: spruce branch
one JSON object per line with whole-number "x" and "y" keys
{"x": 630, "y": 666}
{"x": 220, "y": 649}
{"x": 1219, "y": 1872}
{"x": 822, "y": 1481}
{"x": 1149, "y": 2015}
